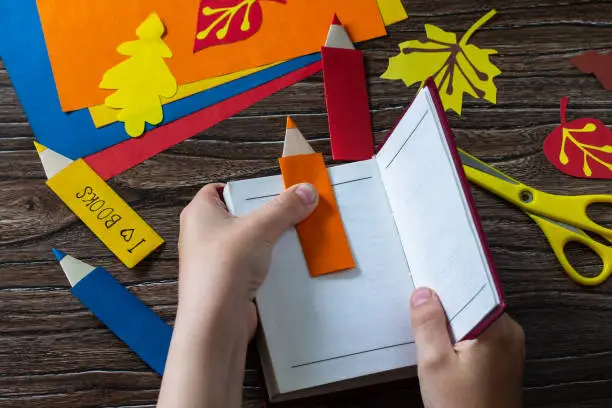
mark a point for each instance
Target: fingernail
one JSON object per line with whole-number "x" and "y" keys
{"x": 421, "y": 296}
{"x": 307, "y": 193}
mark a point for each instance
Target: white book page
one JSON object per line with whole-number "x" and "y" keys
{"x": 432, "y": 214}
{"x": 343, "y": 325}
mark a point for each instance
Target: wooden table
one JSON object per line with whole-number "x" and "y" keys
{"x": 53, "y": 353}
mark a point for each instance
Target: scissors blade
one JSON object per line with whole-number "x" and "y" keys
{"x": 570, "y": 211}
{"x": 571, "y": 228}
{"x": 498, "y": 183}
{"x": 470, "y": 161}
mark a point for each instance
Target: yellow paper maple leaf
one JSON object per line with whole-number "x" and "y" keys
{"x": 142, "y": 79}
{"x": 456, "y": 67}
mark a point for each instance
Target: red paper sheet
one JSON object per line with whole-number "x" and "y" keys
{"x": 116, "y": 159}
{"x": 346, "y": 95}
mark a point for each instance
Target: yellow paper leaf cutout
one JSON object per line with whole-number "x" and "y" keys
{"x": 228, "y": 21}
{"x": 437, "y": 34}
{"x": 141, "y": 80}
{"x": 455, "y": 66}
{"x": 225, "y": 15}
{"x": 588, "y": 150}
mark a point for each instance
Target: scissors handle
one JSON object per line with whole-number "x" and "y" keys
{"x": 559, "y": 235}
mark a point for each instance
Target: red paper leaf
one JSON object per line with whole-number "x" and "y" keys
{"x": 227, "y": 21}
{"x": 580, "y": 148}
{"x": 592, "y": 62}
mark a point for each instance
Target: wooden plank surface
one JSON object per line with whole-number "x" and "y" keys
{"x": 53, "y": 353}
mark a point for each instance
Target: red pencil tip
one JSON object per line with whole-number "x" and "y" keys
{"x": 336, "y": 20}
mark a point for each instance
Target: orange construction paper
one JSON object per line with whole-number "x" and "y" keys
{"x": 324, "y": 242}
{"x": 82, "y": 38}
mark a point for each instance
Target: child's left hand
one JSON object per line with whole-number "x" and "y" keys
{"x": 223, "y": 260}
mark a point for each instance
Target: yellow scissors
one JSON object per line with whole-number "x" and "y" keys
{"x": 563, "y": 219}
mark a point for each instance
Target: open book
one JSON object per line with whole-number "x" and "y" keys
{"x": 410, "y": 221}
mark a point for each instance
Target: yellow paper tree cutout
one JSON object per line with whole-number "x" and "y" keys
{"x": 142, "y": 79}
{"x": 456, "y": 67}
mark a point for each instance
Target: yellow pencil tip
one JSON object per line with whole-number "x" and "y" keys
{"x": 290, "y": 123}
{"x": 39, "y": 148}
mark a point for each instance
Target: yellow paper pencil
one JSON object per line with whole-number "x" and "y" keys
{"x": 127, "y": 235}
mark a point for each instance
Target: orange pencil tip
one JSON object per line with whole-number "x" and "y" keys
{"x": 290, "y": 123}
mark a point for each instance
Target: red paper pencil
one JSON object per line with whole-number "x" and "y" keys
{"x": 346, "y": 94}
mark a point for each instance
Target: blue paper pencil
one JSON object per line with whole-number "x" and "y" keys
{"x": 122, "y": 312}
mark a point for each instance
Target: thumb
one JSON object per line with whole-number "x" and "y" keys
{"x": 285, "y": 211}
{"x": 430, "y": 329}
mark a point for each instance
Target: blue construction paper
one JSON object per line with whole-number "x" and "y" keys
{"x": 73, "y": 134}
{"x": 126, "y": 316}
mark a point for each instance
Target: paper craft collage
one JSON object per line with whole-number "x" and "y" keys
{"x": 109, "y": 94}
{"x": 104, "y": 92}
{"x": 109, "y": 84}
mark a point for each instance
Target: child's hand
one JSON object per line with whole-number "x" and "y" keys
{"x": 482, "y": 373}
{"x": 224, "y": 259}
{"x": 222, "y": 262}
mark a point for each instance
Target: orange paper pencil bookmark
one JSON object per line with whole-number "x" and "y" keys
{"x": 324, "y": 242}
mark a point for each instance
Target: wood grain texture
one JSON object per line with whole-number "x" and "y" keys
{"x": 53, "y": 353}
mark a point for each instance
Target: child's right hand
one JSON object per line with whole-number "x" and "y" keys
{"x": 482, "y": 373}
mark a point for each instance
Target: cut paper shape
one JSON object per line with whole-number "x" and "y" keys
{"x": 337, "y": 36}
{"x": 295, "y": 143}
{"x": 580, "y": 148}
{"x": 346, "y": 96}
{"x": 592, "y": 62}
{"x": 53, "y": 162}
{"x": 99, "y": 207}
{"x": 73, "y": 135}
{"x": 81, "y": 38}
{"x": 392, "y": 11}
{"x": 456, "y": 67}
{"x": 144, "y": 332}
{"x": 228, "y": 21}
{"x": 142, "y": 79}
{"x": 103, "y": 115}
{"x": 119, "y": 158}
{"x": 322, "y": 236}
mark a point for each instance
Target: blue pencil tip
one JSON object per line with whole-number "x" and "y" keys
{"x": 58, "y": 254}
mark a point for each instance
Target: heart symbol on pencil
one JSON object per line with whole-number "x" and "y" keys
{"x": 127, "y": 234}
